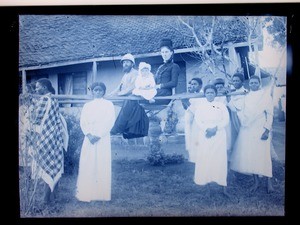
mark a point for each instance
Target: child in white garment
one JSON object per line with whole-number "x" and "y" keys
{"x": 145, "y": 83}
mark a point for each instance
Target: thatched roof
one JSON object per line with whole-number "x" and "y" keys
{"x": 60, "y": 38}
{"x": 48, "y": 39}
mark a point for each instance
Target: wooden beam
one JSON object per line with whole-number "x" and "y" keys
{"x": 94, "y": 74}
{"x": 24, "y": 81}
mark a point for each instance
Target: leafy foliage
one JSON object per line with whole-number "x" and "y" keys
{"x": 157, "y": 157}
{"x": 75, "y": 142}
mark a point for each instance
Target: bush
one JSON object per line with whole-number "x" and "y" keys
{"x": 75, "y": 142}
{"x": 157, "y": 157}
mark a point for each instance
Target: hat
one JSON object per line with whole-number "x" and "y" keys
{"x": 166, "y": 42}
{"x": 129, "y": 57}
{"x": 144, "y": 65}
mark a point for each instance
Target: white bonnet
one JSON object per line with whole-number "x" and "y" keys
{"x": 144, "y": 65}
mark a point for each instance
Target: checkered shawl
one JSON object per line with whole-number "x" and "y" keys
{"x": 48, "y": 144}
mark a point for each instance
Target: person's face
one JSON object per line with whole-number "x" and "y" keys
{"x": 254, "y": 84}
{"x": 145, "y": 72}
{"x": 220, "y": 88}
{"x": 166, "y": 53}
{"x": 195, "y": 87}
{"x": 40, "y": 89}
{"x": 127, "y": 66}
{"x": 237, "y": 83}
{"x": 210, "y": 94}
{"x": 98, "y": 92}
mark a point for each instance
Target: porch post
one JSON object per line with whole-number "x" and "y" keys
{"x": 257, "y": 69}
{"x": 94, "y": 74}
{"x": 23, "y": 81}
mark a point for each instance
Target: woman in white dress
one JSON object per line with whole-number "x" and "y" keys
{"x": 211, "y": 161}
{"x": 191, "y": 128}
{"x": 252, "y": 150}
{"x": 94, "y": 176}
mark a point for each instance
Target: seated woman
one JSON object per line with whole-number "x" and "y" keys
{"x": 166, "y": 77}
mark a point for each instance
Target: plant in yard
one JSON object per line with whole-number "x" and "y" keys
{"x": 157, "y": 157}
{"x": 171, "y": 122}
{"x": 27, "y": 185}
{"x": 76, "y": 136}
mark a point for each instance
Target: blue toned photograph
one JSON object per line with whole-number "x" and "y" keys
{"x": 152, "y": 115}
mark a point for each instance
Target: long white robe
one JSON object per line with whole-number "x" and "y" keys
{"x": 94, "y": 177}
{"x": 191, "y": 129}
{"x": 228, "y": 127}
{"x": 211, "y": 159}
{"x": 251, "y": 155}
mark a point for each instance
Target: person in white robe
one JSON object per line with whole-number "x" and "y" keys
{"x": 94, "y": 176}
{"x": 211, "y": 160}
{"x": 190, "y": 129}
{"x": 252, "y": 150}
{"x": 222, "y": 92}
{"x": 235, "y": 101}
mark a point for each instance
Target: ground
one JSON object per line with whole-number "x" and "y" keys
{"x": 142, "y": 190}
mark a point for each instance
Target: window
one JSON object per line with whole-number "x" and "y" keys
{"x": 72, "y": 83}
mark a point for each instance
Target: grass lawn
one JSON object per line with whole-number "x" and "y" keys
{"x": 142, "y": 190}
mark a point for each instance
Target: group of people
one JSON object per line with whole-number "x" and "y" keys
{"x": 206, "y": 122}
{"x": 97, "y": 122}
{"x": 229, "y": 129}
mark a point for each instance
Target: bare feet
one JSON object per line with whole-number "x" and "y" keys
{"x": 225, "y": 192}
{"x": 255, "y": 185}
{"x": 269, "y": 186}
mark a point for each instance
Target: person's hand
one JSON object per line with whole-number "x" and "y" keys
{"x": 92, "y": 138}
{"x": 210, "y": 132}
{"x": 265, "y": 135}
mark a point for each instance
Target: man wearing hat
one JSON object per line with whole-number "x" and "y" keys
{"x": 132, "y": 120}
{"x": 130, "y": 74}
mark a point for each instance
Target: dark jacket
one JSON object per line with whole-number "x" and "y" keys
{"x": 167, "y": 75}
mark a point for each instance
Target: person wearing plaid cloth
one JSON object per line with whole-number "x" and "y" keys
{"x": 47, "y": 134}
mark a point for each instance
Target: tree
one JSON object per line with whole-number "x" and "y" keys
{"x": 209, "y": 37}
{"x": 276, "y": 26}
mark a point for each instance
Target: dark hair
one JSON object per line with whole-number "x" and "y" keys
{"x": 239, "y": 75}
{"x": 210, "y": 86}
{"x": 255, "y": 77}
{"x": 166, "y": 42}
{"x": 198, "y": 79}
{"x": 96, "y": 84}
{"x": 47, "y": 83}
{"x": 219, "y": 81}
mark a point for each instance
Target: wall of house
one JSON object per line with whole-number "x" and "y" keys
{"x": 194, "y": 68}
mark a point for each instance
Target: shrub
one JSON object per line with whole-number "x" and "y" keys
{"x": 75, "y": 142}
{"x": 157, "y": 157}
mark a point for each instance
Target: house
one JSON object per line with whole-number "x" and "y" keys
{"x": 75, "y": 50}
